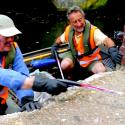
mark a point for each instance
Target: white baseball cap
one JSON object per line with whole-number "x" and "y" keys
{"x": 7, "y": 27}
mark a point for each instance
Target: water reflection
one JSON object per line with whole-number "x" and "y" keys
{"x": 40, "y": 26}
{"x": 41, "y": 35}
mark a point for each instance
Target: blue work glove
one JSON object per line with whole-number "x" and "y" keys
{"x": 28, "y": 104}
{"x": 115, "y": 55}
{"x": 51, "y": 86}
{"x": 54, "y": 48}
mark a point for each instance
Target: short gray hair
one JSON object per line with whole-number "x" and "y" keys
{"x": 74, "y": 9}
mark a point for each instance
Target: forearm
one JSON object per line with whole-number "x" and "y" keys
{"x": 60, "y": 39}
{"x": 109, "y": 42}
{"x": 101, "y": 38}
{"x": 28, "y": 83}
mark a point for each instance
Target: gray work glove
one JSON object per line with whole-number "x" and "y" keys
{"x": 51, "y": 86}
{"x": 28, "y": 104}
{"x": 54, "y": 48}
{"x": 115, "y": 55}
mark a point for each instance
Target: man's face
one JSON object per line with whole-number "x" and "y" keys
{"x": 5, "y": 43}
{"x": 77, "y": 21}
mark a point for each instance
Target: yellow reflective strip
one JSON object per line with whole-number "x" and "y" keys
{"x": 41, "y": 56}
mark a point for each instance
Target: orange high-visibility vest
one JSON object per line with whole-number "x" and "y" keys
{"x": 4, "y": 91}
{"x": 80, "y": 47}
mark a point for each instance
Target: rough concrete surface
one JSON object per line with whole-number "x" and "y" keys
{"x": 80, "y": 106}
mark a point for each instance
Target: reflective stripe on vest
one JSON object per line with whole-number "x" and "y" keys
{"x": 95, "y": 56}
{"x": 5, "y": 63}
{"x": 85, "y": 60}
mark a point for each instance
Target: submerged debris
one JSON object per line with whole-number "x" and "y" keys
{"x": 80, "y": 105}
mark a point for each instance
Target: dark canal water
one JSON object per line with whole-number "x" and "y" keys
{"x": 41, "y": 24}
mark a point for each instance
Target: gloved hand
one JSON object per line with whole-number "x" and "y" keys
{"x": 27, "y": 104}
{"x": 54, "y": 48}
{"x": 115, "y": 55}
{"x": 51, "y": 86}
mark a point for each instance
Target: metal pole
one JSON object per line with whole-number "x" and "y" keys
{"x": 91, "y": 87}
{"x": 58, "y": 62}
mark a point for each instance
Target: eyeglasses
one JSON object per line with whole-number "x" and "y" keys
{"x": 6, "y": 39}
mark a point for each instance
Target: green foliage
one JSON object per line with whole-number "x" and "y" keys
{"x": 93, "y": 4}
{"x": 62, "y": 5}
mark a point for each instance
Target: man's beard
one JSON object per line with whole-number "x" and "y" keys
{"x": 79, "y": 30}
